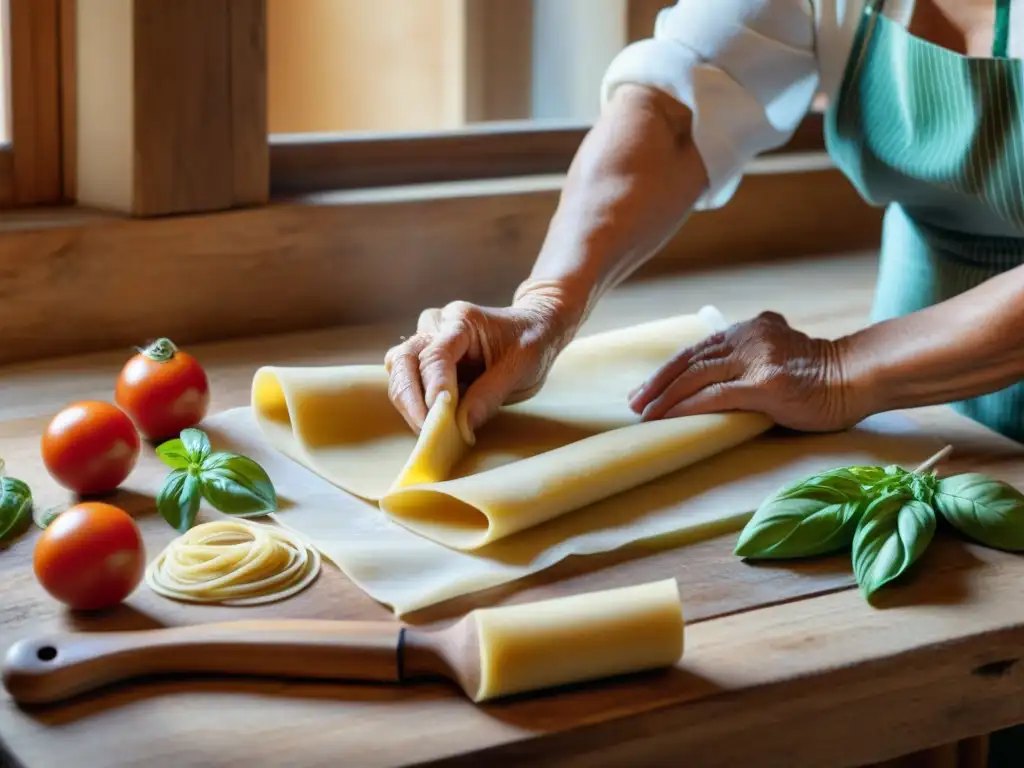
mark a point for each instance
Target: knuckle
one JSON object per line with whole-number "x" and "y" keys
{"x": 433, "y": 356}
{"x": 398, "y": 388}
{"x": 770, "y": 317}
{"x": 699, "y": 368}
{"x": 397, "y": 352}
{"x": 711, "y": 352}
{"x": 770, "y": 378}
{"x": 428, "y": 321}
{"x": 714, "y": 390}
{"x": 462, "y": 311}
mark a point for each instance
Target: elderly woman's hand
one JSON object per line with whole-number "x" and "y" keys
{"x": 497, "y": 355}
{"x": 761, "y": 365}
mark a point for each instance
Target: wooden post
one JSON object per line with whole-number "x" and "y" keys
{"x": 171, "y": 97}
{"x": 35, "y": 103}
{"x": 498, "y": 60}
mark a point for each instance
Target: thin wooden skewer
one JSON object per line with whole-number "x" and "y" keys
{"x": 934, "y": 460}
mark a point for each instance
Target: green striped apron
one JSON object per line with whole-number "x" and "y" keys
{"x": 937, "y": 138}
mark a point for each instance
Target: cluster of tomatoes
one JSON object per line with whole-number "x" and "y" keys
{"x": 91, "y": 556}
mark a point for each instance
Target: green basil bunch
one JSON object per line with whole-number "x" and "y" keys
{"x": 15, "y": 508}
{"x": 233, "y": 484}
{"x": 886, "y": 515}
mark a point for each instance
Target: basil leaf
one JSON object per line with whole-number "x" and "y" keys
{"x": 893, "y": 533}
{"x": 178, "y": 499}
{"x": 790, "y": 528}
{"x": 836, "y": 485}
{"x": 43, "y": 517}
{"x": 197, "y": 444}
{"x": 812, "y": 517}
{"x": 864, "y": 474}
{"x": 15, "y": 507}
{"x": 174, "y": 454}
{"x": 986, "y": 510}
{"x": 237, "y": 485}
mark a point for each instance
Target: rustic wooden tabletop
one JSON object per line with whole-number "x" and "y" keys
{"x": 784, "y": 665}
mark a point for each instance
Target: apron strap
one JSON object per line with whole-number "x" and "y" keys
{"x": 1002, "y": 30}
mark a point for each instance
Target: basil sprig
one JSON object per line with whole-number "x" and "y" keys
{"x": 15, "y": 508}
{"x": 231, "y": 483}
{"x": 887, "y": 516}
{"x": 893, "y": 532}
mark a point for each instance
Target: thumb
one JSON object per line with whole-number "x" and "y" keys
{"x": 488, "y": 393}
{"x": 440, "y": 358}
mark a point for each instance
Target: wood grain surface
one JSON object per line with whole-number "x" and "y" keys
{"x": 322, "y": 262}
{"x": 785, "y": 665}
{"x": 35, "y": 100}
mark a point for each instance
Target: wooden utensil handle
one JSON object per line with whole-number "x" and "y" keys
{"x": 58, "y": 666}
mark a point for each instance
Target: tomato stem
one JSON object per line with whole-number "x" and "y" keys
{"x": 160, "y": 351}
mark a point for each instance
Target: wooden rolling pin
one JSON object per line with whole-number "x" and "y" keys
{"x": 491, "y": 652}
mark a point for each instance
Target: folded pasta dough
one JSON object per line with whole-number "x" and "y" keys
{"x": 574, "y": 443}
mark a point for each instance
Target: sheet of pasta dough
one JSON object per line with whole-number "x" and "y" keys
{"x": 408, "y": 572}
{"x": 575, "y": 443}
{"x": 569, "y": 472}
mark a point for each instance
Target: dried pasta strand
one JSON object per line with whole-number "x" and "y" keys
{"x": 233, "y": 562}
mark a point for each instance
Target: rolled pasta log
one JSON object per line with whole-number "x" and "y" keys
{"x": 233, "y": 562}
{"x": 575, "y": 443}
{"x": 578, "y": 638}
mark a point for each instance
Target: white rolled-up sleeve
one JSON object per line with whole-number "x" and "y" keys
{"x": 746, "y": 69}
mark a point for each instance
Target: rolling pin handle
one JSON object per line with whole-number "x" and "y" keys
{"x": 51, "y": 668}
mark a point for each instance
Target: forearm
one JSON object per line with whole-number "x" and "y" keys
{"x": 967, "y": 346}
{"x": 630, "y": 186}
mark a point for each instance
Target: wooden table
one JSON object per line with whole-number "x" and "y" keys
{"x": 784, "y": 665}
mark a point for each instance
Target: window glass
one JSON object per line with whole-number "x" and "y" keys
{"x": 435, "y": 65}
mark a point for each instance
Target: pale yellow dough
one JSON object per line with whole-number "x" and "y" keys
{"x": 575, "y": 443}
{"x": 578, "y": 638}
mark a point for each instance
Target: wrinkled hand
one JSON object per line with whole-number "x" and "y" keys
{"x": 488, "y": 356}
{"x": 761, "y": 365}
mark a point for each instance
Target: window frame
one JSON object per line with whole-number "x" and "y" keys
{"x": 496, "y": 38}
{"x": 309, "y": 163}
{"x": 31, "y": 165}
{"x": 359, "y": 229}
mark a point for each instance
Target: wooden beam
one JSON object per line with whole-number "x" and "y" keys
{"x": 182, "y": 107}
{"x": 67, "y": 33}
{"x": 302, "y": 163}
{"x": 6, "y": 177}
{"x": 174, "y": 92}
{"x": 498, "y": 67}
{"x": 358, "y": 257}
{"x": 35, "y": 101}
{"x": 247, "y": 22}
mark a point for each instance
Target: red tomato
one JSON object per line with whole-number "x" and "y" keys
{"x": 90, "y": 557}
{"x": 90, "y": 447}
{"x": 164, "y": 390}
